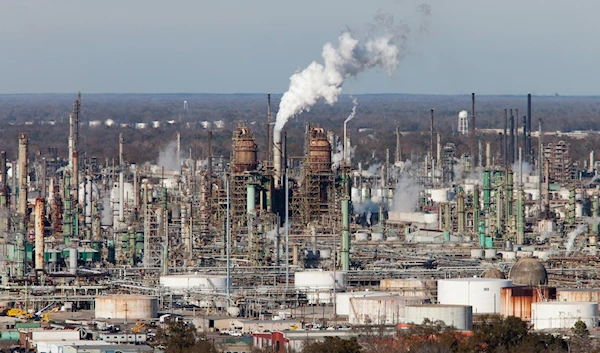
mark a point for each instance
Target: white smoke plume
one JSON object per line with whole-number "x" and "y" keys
{"x": 571, "y": 237}
{"x": 372, "y": 170}
{"x": 351, "y": 57}
{"x": 167, "y": 157}
{"x": 406, "y": 194}
{"x": 338, "y": 155}
{"x": 353, "y": 112}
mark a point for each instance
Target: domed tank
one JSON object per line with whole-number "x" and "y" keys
{"x": 494, "y": 273}
{"x": 528, "y": 272}
{"x": 319, "y": 151}
{"x": 244, "y": 150}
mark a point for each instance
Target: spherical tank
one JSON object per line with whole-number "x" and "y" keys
{"x": 528, "y": 272}
{"x": 483, "y": 294}
{"x": 459, "y": 316}
{"x": 319, "y": 151}
{"x": 122, "y": 306}
{"x": 553, "y": 315}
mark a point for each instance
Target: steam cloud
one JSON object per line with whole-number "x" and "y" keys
{"x": 351, "y": 57}
{"x": 168, "y": 158}
{"x": 353, "y": 112}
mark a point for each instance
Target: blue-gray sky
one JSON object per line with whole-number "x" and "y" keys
{"x": 489, "y": 47}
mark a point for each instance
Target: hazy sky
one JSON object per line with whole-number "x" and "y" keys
{"x": 488, "y": 47}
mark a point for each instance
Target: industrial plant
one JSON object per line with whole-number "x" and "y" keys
{"x": 272, "y": 248}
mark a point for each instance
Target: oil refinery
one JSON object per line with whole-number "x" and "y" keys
{"x": 253, "y": 246}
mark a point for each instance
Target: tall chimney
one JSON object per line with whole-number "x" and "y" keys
{"x": 511, "y": 144}
{"x": 121, "y": 181}
{"x": 3, "y": 174}
{"x": 398, "y": 154}
{"x": 39, "y": 234}
{"x": 431, "y": 137}
{"x": 23, "y": 146}
{"x": 516, "y": 137}
{"x": 525, "y": 151}
{"x": 529, "y": 147}
{"x": 75, "y": 185}
{"x": 505, "y": 140}
{"x": 71, "y": 139}
{"x": 267, "y": 149}
{"x": 277, "y": 154}
{"x": 472, "y": 142}
{"x": 43, "y": 177}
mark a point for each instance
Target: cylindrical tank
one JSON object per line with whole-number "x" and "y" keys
{"x": 459, "y": 316}
{"x": 123, "y": 306}
{"x": 477, "y": 253}
{"x": 509, "y": 255}
{"x": 319, "y": 151}
{"x": 578, "y": 295}
{"x": 202, "y": 282}
{"x": 361, "y": 236}
{"x": 483, "y": 294}
{"x": 438, "y": 195}
{"x": 377, "y": 236}
{"x": 325, "y": 253}
{"x": 317, "y": 280}
{"x": 490, "y": 253}
{"x": 508, "y": 245}
{"x": 556, "y": 315}
{"x": 386, "y": 310}
{"x": 244, "y": 149}
{"x": 343, "y": 300}
{"x": 73, "y": 261}
{"x": 517, "y": 301}
{"x": 410, "y": 287}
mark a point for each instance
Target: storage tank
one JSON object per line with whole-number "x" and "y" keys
{"x": 578, "y": 295}
{"x": 528, "y": 272}
{"x": 361, "y": 236}
{"x": 342, "y": 300}
{"x": 126, "y": 306}
{"x": 459, "y": 316}
{"x": 377, "y": 236}
{"x": 319, "y": 151}
{"x": 477, "y": 253}
{"x": 202, "y": 282}
{"x": 438, "y": 195}
{"x": 483, "y": 294}
{"x": 509, "y": 255}
{"x": 319, "y": 279}
{"x": 409, "y": 287}
{"x": 388, "y": 310}
{"x": 557, "y": 315}
{"x": 517, "y": 301}
{"x": 490, "y": 253}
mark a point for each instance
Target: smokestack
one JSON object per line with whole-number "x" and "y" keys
{"x": 398, "y": 155}
{"x": 439, "y": 149}
{"x": 39, "y": 234}
{"x": 488, "y": 154}
{"x": 268, "y": 150}
{"x": 529, "y": 147}
{"x": 472, "y": 142}
{"x": 505, "y": 140}
{"x": 277, "y": 155}
{"x": 511, "y": 145}
{"x": 525, "y": 150}
{"x": 43, "y": 186}
{"x": 431, "y": 136}
{"x": 516, "y": 137}
{"x": 75, "y": 186}
{"x": 23, "y": 146}
{"x": 3, "y": 173}
{"x": 71, "y": 139}
{"x": 178, "y": 151}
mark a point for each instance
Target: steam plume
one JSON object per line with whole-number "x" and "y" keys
{"x": 353, "y": 112}
{"x": 350, "y": 58}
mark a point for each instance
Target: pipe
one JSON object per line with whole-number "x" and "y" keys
{"x": 23, "y": 147}
{"x": 277, "y": 154}
{"x": 39, "y": 234}
{"x": 345, "y": 234}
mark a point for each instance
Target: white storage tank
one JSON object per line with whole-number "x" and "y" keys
{"x": 342, "y": 300}
{"x": 509, "y": 255}
{"x": 410, "y": 287}
{"x": 201, "y": 282}
{"x": 126, "y": 306}
{"x": 554, "y": 315}
{"x": 388, "y": 310}
{"x": 377, "y": 237}
{"x": 490, "y": 253}
{"x": 483, "y": 294}
{"x": 459, "y": 316}
{"x": 319, "y": 279}
{"x": 578, "y": 295}
{"x": 438, "y": 195}
{"x": 361, "y": 236}
{"x": 477, "y": 253}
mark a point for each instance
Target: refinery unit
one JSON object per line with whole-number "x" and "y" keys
{"x": 509, "y": 228}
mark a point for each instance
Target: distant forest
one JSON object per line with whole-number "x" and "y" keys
{"x": 45, "y": 117}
